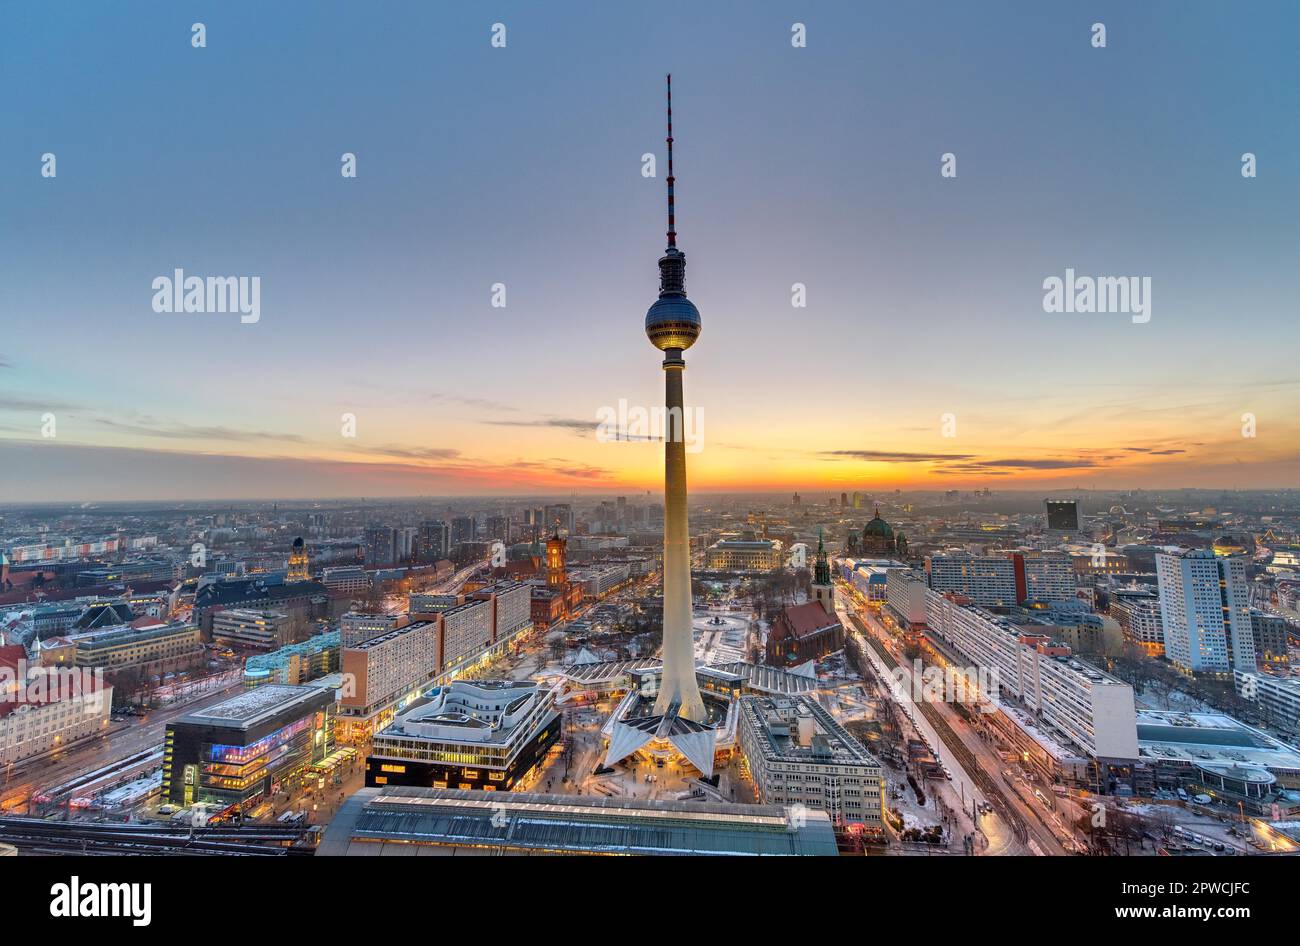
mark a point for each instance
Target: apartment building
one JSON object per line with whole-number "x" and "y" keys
{"x": 1140, "y": 621}
{"x": 984, "y": 579}
{"x": 383, "y": 672}
{"x": 1205, "y": 606}
{"x": 1072, "y": 699}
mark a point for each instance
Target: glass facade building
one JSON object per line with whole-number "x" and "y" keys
{"x": 248, "y": 747}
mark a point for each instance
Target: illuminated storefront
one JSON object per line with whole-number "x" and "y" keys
{"x": 239, "y": 751}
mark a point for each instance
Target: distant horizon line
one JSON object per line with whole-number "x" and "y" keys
{"x": 521, "y": 497}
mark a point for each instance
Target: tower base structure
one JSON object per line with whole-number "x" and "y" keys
{"x": 639, "y": 727}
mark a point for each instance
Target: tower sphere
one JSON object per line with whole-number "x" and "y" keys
{"x": 672, "y": 322}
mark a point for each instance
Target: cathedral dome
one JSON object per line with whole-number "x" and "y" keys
{"x": 878, "y": 528}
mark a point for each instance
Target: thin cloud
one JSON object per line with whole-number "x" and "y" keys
{"x": 188, "y": 432}
{"x": 892, "y": 456}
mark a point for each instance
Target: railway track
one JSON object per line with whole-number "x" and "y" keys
{"x": 964, "y": 757}
{"x": 37, "y": 836}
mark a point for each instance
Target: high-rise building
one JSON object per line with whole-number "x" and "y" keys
{"x": 1068, "y": 696}
{"x": 498, "y": 527}
{"x": 560, "y": 517}
{"x": 463, "y": 529}
{"x": 381, "y": 545}
{"x": 356, "y": 627}
{"x": 1205, "y": 606}
{"x": 434, "y": 541}
{"x": 1062, "y": 514}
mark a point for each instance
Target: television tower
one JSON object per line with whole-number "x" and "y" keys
{"x": 673, "y": 325}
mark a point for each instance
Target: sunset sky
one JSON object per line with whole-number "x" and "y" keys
{"x": 522, "y": 166}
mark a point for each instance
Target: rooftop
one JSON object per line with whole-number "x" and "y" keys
{"x": 1210, "y": 739}
{"x": 777, "y": 720}
{"x": 435, "y": 821}
{"x": 252, "y": 706}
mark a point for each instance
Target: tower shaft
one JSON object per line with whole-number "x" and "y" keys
{"x": 679, "y": 684}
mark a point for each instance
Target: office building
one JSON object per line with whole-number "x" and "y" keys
{"x": 463, "y": 529}
{"x": 346, "y": 579}
{"x": 381, "y": 546}
{"x": 1044, "y": 576}
{"x": 511, "y": 607}
{"x": 245, "y": 629}
{"x": 240, "y": 751}
{"x": 434, "y": 541}
{"x": 386, "y": 671}
{"x": 798, "y": 754}
{"x": 302, "y": 601}
{"x": 743, "y": 555}
{"x": 905, "y": 591}
{"x": 146, "y": 644}
{"x": 1276, "y": 698}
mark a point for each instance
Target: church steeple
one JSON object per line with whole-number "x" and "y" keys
{"x": 822, "y": 568}
{"x": 822, "y": 588}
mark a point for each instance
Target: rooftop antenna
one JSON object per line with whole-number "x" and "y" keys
{"x": 672, "y": 209}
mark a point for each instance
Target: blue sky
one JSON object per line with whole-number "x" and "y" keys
{"x": 522, "y": 165}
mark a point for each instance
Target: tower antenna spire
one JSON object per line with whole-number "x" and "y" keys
{"x": 672, "y": 207}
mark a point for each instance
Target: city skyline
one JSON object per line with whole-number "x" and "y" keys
{"x": 924, "y": 295}
{"x": 343, "y": 512}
